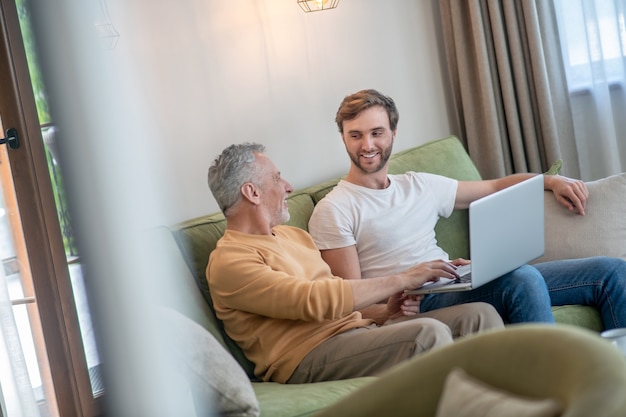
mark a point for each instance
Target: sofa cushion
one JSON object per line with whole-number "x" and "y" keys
{"x": 578, "y": 315}
{"x": 428, "y": 158}
{"x": 215, "y": 378}
{"x": 464, "y": 396}
{"x": 318, "y": 191}
{"x": 287, "y": 400}
{"x": 300, "y": 210}
{"x": 602, "y": 231}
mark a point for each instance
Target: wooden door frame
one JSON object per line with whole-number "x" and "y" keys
{"x": 41, "y": 229}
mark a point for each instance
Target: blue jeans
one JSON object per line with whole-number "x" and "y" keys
{"x": 527, "y": 293}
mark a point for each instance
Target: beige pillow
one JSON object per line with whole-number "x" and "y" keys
{"x": 602, "y": 231}
{"x": 464, "y": 396}
{"x": 217, "y": 381}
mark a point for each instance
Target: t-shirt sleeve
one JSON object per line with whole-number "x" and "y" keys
{"x": 443, "y": 190}
{"x": 330, "y": 227}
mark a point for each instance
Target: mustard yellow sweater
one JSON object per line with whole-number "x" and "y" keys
{"x": 277, "y": 298}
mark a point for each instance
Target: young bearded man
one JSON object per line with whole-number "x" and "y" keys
{"x": 277, "y": 298}
{"x": 374, "y": 223}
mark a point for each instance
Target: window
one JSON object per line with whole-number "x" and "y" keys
{"x": 593, "y": 40}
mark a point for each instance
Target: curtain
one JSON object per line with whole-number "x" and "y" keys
{"x": 17, "y": 398}
{"x": 593, "y": 38}
{"x": 508, "y": 85}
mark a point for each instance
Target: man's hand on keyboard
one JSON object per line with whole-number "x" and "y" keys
{"x": 462, "y": 269}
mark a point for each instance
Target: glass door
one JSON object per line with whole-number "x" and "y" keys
{"x": 26, "y": 352}
{"x": 41, "y": 268}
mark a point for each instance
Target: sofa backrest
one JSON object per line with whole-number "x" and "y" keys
{"x": 197, "y": 237}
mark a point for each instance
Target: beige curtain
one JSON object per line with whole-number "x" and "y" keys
{"x": 508, "y": 85}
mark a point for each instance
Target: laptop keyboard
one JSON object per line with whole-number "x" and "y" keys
{"x": 465, "y": 272}
{"x": 465, "y": 278}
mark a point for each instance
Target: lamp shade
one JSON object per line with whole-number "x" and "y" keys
{"x": 317, "y": 5}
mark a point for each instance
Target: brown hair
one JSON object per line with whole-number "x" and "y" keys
{"x": 355, "y": 103}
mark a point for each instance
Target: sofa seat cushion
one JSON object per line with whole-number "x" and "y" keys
{"x": 578, "y": 315}
{"x": 291, "y": 400}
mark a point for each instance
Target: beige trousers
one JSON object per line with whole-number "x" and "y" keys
{"x": 370, "y": 350}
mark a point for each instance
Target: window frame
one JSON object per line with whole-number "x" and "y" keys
{"x": 42, "y": 233}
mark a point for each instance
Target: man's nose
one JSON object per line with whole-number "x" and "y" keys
{"x": 368, "y": 142}
{"x": 288, "y": 187}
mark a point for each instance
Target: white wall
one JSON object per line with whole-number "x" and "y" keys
{"x": 209, "y": 73}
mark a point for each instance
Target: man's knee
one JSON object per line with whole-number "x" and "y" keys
{"x": 525, "y": 274}
{"x": 616, "y": 265}
{"x": 527, "y": 280}
{"x": 486, "y": 317}
{"x": 430, "y": 333}
{"x": 474, "y": 317}
{"x": 466, "y": 318}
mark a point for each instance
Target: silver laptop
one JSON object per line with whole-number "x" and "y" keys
{"x": 506, "y": 231}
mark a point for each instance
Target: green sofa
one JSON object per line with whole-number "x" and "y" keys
{"x": 196, "y": 239}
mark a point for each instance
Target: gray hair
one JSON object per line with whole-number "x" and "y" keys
{"x": 234, "y": 167}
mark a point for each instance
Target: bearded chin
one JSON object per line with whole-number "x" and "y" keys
{"x": 285, "y": 216}
{"x": 383, "y": 161}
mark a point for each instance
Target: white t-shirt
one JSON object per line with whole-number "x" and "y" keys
{"x": 393, "y": 229}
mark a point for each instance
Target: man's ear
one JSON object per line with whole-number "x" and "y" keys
{"x": 250, "y": 192}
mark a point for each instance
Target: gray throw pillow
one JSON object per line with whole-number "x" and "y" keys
{"x": 601, "y": 232}
{"x": 218, "y": 383}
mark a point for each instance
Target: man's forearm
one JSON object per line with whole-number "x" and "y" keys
{"x": 510, "y": 180}
{"x": 375, "y": 290}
